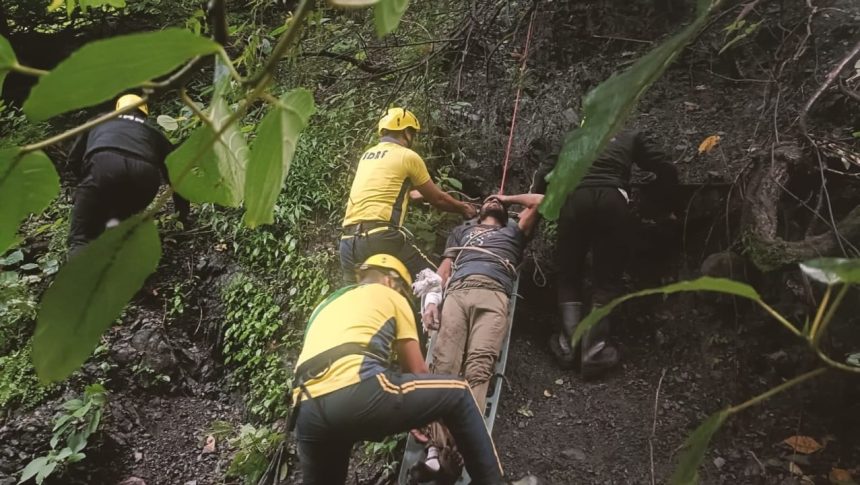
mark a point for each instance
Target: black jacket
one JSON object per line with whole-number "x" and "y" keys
{"x": 613, "y": 167}
{"x": 131, "y": 135}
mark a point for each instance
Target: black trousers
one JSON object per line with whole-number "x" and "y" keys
{"x": 390, "y": 403}
{"x": 114, "y": 186}
{"x": 355, "y": 249}
{"x": 594, "y": 219}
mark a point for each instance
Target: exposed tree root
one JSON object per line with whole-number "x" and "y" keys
{"x": 759, "y": 220}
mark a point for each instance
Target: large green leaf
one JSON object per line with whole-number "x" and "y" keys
{"x": 7, "y": 59}
{"x": 28, "y": 184}
{"x": 705, "y": 283}
{"x": 99, "y": 70}
{"x": 386, "y": 15}
{"x": 606, "y": 108}
{"x": 89, "y": 293}
{"x": 694, "y": 449}
{"x": 833, "y": 270}
{"x": 273, "y": 151}
{"x": 204, "y": 169}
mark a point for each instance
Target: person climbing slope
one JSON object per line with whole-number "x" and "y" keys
{"x": 596, "y": 218}
{"x": 121, "y": 162}
{"x": 479, "y": 268}
{"x": 345, "y": 392}
{"x": 389, "y": 174}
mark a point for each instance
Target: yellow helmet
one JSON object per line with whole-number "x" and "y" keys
{"x": 389, "y": 262}
{"x": 397, "y": 119}
{"x": 129, "y": 99}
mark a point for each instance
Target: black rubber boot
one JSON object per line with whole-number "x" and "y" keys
{"x": 559, "y": 343}
{"x": 598, "y": 355}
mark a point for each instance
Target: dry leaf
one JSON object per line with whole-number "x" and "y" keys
{"x": 209, "y": 447}
{"x": 803, "y": 444}
{"x": 794, "y": 469}
{"x": 839, "y": 476}
{"x": 709, "y": 143}
{"x": 525, "y": 411}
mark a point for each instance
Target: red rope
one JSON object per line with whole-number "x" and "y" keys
{"x": 517, "y": 104}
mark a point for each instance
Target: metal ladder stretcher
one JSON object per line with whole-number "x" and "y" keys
{"x": 414, "y": 450}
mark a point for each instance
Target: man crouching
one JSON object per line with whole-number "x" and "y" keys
{"x": 479, "y": 268}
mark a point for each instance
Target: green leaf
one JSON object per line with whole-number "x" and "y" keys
{"x": 607, "y": 107}
{"x": 205, "y": 170}
{"x": 45, "y": 472}
{"x": 33, "y": 468}
{"x": 705, "y": 283}
{"x": 7, "y": 59}
{"x": 99, "y": 70}
{"x": 386, "y": 15}
{"x": 833, "y": 270}
{"x": 28, "y": 184}
{"x": 89, "y": 293}
{"x": 169, "y": 123}
{"x": 76, "y": 457}
{"x": 693, "y": 450}
{"x": 273, "y": 151}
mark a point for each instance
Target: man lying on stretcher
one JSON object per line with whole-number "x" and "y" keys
{"x": 478, "y": 273}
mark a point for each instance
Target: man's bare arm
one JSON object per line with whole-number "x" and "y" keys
{"x": 410, "y": 358}
{"x": 443, "y": 201}
{"x": 444, "y": 270}
{"x": 529, "y": 217}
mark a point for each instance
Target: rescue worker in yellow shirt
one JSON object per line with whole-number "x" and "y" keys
{"x": 345, "y": 391}
{"x": 388, "y": 175}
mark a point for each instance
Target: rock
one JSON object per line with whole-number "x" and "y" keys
{"x": 138, "y": 456}
{"x": 155, "y": 350}
{"x": 574, "y": 454}
{"x": 719, "y": 462}
{"x": 132, "y": 481}
{"x": 528, "y": 480}
{"x": 726, "y": 264}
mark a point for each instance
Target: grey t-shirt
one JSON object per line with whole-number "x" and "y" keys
{"x": 506, "y": 242}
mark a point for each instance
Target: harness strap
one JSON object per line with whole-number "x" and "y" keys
{"x": 467, "y": 246}
{"x": 505, "y": 262}
{"x": 318, "y": 365}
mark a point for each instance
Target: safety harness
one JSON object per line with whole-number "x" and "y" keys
{"x": 467, "y": 246}
{"x": 318, "y": 365}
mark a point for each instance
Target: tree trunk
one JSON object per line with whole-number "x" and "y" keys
{"x": 759, "y": 220}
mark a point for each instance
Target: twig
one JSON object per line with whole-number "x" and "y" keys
{"x": 760, "y": 464}
{"x": 626, "y": 39}
{"x": 654, "y": 426}
{"x": 82, "y": 128}
{"x": 826, "y": 84}
{"x": 776, "y": 390}
{"x": 363, "y": 65}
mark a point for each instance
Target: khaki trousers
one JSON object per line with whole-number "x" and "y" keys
{"x": 474, "y": 323}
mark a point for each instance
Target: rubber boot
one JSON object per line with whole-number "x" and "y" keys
{"x": 598, "y": 355}
{"x": 559, "y": 343}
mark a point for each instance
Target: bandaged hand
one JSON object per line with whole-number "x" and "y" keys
{"x": 430, "y": 317}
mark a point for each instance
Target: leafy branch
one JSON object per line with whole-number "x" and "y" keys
{"x": 214, "y": 164}
{"x": 831, "y": 271}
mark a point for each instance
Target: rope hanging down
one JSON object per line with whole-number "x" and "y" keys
{"x": 517, "y": 103}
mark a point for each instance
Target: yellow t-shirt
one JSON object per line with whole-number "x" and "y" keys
{"x": 380, "y": 191}
{"x": 373, "y": 315}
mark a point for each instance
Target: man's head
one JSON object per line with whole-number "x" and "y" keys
{"x": 493, "y": 207}
{"x": 130, "y": 99}
{"x": 387, "y": 270}
{"x": 401, "y": 124}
